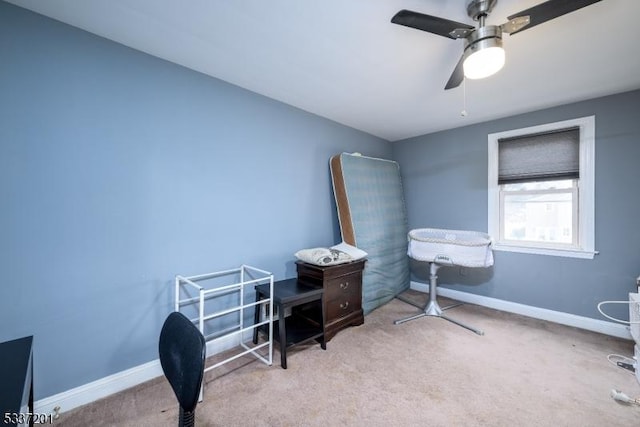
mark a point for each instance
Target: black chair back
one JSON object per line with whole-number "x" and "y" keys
{"x": 182, "y": 356}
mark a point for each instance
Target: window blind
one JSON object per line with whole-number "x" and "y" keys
{"x": 540, "y": 156}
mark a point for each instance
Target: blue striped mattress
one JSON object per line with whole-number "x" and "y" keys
{"x": 372, "y": 214}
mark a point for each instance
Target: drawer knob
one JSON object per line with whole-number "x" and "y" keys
{"x": 345, "y": 305}
{"x": 344, "y": 285}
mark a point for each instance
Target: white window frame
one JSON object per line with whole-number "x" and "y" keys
{"x": 586, "y": 192}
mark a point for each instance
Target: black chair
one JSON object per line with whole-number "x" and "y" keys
{"x": 182, "y": 356}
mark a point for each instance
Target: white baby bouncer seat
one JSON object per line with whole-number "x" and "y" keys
{"x": 447, "y": 248}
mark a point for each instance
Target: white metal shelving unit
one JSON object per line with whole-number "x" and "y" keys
{"x": 247, "y": 276}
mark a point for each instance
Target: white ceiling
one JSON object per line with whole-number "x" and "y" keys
{"x": 345, "y": 61}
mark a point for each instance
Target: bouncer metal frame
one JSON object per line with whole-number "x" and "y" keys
{"x": 432, "y": 308}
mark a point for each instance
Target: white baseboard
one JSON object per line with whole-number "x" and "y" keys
{"x": 111, "y": 384}
{"x": 595, "y": 325}
{"x": 98, "y": 389}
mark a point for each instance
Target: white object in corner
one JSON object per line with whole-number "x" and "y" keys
{"x": 636, "y": 356}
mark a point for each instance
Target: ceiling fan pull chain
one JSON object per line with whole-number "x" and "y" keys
{"x": 463, "y": 113}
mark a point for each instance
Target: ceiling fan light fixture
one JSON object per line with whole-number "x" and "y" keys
{"x": 483, "y": 59}
{"x": 483, "y": 54}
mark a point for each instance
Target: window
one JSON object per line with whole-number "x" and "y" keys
{"x": 541, "y": 189}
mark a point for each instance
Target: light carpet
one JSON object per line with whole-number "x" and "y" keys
{"x": 429, "y": 372}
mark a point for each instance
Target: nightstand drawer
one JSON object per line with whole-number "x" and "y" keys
{"x": 342, "y": 307}
{"x": 343, "y": 287}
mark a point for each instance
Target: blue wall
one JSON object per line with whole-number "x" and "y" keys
{"x": 119, "y": 170}
{"x": 445, "y": 182}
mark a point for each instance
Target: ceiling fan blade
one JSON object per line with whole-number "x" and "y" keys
{"x": 432, "y": 24}
{"x": 549, "y": 10}
{"x": 457, "y": 76}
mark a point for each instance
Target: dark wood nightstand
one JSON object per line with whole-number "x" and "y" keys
{"x": 306, "y": 321}
{"x": 342, "y": 284}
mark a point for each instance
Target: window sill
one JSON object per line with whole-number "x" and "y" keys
{"x": 570, "y": 253}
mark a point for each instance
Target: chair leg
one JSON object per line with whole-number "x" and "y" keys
{"x": 433, "y": 308}
{"x": 187, "y": 418}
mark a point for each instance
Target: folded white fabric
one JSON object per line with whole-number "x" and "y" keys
{"x": 354, "y": 252}
{"x": 337, "y": 254}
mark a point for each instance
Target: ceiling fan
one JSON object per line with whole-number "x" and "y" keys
{"x": 483, "y": 54}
